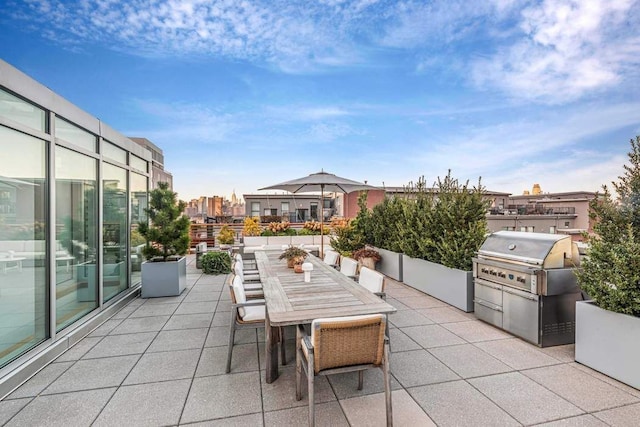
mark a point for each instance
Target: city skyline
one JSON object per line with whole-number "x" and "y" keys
{"x": 241, "y": 95}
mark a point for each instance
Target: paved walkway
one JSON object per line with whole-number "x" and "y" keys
{"x": 161, "y": 362}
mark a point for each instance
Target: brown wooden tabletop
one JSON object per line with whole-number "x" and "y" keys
{"x": 292, "y": 301}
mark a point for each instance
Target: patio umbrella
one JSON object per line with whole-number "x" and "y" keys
{"x": 321, "y": 181}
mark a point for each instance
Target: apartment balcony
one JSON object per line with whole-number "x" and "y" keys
{"x": 162, "y": 362}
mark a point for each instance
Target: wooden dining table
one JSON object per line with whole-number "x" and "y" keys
{"x": 292, "y": 301}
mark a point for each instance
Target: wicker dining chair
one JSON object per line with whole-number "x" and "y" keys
{"x": 343, "y": 344}
{"x": 247, "y": 314}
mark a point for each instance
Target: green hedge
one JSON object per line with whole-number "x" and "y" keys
{"x": 216, "y": 262}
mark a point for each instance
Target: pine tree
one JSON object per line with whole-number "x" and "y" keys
{"x": 167, "y": 232}
{"x": 610, "y": 273}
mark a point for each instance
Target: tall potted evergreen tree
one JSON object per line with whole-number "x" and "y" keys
{"x": 167, "y": 236}
{"x": 608, "y": 326}
{"x": 441, "y": 230}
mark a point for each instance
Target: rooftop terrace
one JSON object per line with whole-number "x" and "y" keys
{"x": 161, "y": 362}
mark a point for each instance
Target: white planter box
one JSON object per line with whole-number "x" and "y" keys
{"x": 255, "y": 240}
{"x": 455, "y": 287}
{"x": 164, "y": 279}
{"x": 608, "y": 342}
{"x": 391, "y": 264}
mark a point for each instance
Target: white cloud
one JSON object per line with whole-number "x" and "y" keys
{"x": 550, "y": 150}
{"x": 570, "y": 48}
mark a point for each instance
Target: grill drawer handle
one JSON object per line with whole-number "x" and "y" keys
{"x": 519, "y": 295}
{"x": 489, "y": 306}
{"x": 487, "y": 284}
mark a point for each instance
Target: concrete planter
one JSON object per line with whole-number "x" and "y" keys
{"x": 391, "y": 264}
{"x": 455, "y": 287}
{"x": 164, "y": 279}
{"x": 608, "y": 342}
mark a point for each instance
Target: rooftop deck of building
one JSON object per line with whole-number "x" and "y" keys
{"x": 161, "y": 362}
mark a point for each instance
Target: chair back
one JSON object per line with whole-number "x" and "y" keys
{"x": 348, "y": 341}
{"x": 331, "y": 257}
{"x": 237, "y": 268}
{"x": 238, "y": 295}
{"x": 348, "y": 266}
{"x": 371, "y": 279}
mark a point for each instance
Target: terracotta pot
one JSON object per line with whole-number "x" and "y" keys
{"x": 368, "y": 262}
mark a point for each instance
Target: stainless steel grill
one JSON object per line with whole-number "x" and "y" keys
{"x": 525, "y": 284}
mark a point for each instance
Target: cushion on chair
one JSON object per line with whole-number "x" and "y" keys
{"x": 348, "y": 266}
{"x": 371, "y": 280}
{"x": 331, "y": 257}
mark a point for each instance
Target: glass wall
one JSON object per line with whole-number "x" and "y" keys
{"x": 139, "y": 202}
{"x": 24, "y": 306}
{"x": 14, "y": 108}
{"x": 76, "y": 237}
{"x": 114, "y": 230}
{"x": 74, "y": 134}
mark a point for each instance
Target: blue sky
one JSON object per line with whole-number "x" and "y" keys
{"x": 241, "y": 94}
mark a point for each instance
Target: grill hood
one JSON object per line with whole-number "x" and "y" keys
{"x": 533, "y": 249}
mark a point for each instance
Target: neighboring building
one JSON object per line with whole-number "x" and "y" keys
{"x": 566, "y": 213}
{"x": 294, "y": 207}
{"x": 158, "y": 173}
{"x": 72, "y": 191}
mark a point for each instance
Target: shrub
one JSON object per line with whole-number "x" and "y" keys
{"x": 367, "y": 253}
{"x": 226, "y": 236}
{"x": 251, "y": 226}
{"x": 345, "y": 238}
{"x": 610, "y": 272}
{"x": 216, "y": 262}
{"x": 279, "y": 227}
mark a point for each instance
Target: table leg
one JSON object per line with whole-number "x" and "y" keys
{"x": 271, "y": 349}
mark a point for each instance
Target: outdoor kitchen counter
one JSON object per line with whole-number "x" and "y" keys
{"x": 292, "y": 301}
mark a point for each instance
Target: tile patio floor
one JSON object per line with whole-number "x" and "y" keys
{"x": 160, "y": 362}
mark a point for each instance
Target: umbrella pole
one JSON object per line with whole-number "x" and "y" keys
{"x": 321, "y": 221}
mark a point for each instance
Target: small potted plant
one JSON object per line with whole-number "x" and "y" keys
{"x": 367, "y": 257}
{"x": 294, "y": 255}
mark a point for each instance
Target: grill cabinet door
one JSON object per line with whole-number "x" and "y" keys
{"x": 521, "y": 314}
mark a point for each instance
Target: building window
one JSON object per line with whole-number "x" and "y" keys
{"x": 313, "y": 211}
{"x": 566, "y": 223}
{"x": 255, "y": 209}
{"x": 284, "y": 207}
{"x": 76, "y": 219}
{"x": 139, "y": 202}
{"x": 114, "y": 231}
{"x": 138, "y": 163}
{"x": 508, "y": 228}
{"x": 74, "y": 134}
{"x": 113, "y": 152}
{"x": 14, "y": 108}
{"x": 24, "y": 307}
{"x": 552, "y": 229}
{"x": 270, "y": 211}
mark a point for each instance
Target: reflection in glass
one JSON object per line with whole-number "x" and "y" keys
{"x": 114, "y": 153}
{"x": 14, "y": 108}
{"x": 139, "y": 197}
{"x": 76, "y": 219}
{"x": 23, "y": 296}
{"x": 114, "y": 231}
{"x": 138, "y": 163}
{"x": 74, "y": 134}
